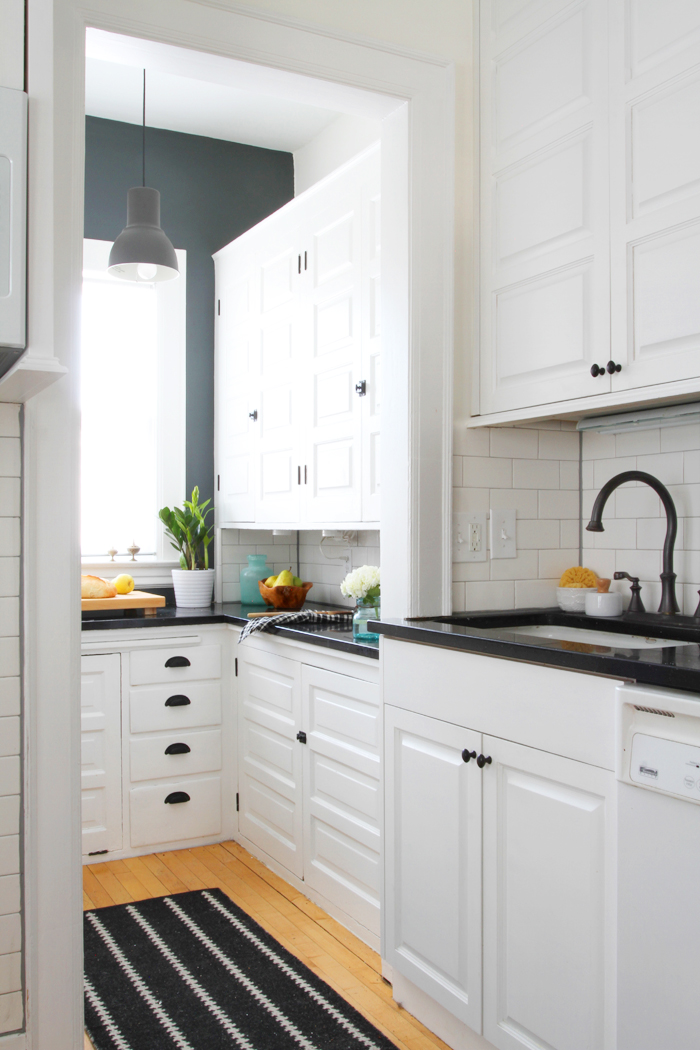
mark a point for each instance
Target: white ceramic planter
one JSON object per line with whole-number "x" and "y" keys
{"x": 193, "y": 587}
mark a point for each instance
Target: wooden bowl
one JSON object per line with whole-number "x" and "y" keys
{"x": 286, "y": 599}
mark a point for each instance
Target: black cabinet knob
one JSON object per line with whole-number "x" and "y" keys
{"x": 361, "y": 387}
{"x": 177, "y": 749}
{"x": 178, "y": 701}
{"x": 177, "y": 661}
{"x": 484, "y": 760}
{"x": 176, "y": 796}
{"x": 253, "y": 415}
{"x": 612, "y": 367}
{"x": 466, "y": 755}
{"x": 597, "y": 370}
{"x": 301, "y": 736}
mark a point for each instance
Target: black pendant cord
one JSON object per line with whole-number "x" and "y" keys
{"x": 143, "y": 133}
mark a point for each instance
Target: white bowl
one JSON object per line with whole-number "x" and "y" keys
{"x": 609, "y": 604}
{"x": 573, "y": 599}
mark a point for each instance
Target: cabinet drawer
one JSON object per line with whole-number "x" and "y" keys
{"x": 149, "y": 758}
{"x": 173, "y": 665}
{"x": 153, "y": 820}
{"x": 196, "y": 704}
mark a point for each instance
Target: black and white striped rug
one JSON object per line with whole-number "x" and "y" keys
{"x": 194, "y": 972}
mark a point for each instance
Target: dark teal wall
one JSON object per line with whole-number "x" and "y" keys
{"x": 211, "y": 191}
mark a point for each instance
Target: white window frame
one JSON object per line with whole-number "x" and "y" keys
{"x": 171, "y": 300}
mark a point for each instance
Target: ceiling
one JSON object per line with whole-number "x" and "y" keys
{"x": 204, "y": 94}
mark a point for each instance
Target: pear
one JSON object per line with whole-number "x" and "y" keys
{"x": 285, "y": 579}
{"x": 270, "y": 581}
{"x": 297, "y": 581}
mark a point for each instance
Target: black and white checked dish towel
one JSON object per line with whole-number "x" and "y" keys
{"x": 192, "y": 971}
{"x": 265, "y": 623}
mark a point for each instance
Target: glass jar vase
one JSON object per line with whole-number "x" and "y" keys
{"x": 256, "y": 569}
{"x": 366, "y": 609}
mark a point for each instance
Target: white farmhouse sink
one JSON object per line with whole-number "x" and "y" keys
{"x": 610, "y": 639}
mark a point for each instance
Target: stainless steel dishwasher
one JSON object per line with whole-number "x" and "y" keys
{"x": 658, "y": 943}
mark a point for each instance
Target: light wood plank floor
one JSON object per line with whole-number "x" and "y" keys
{"x": 305, "y": 930}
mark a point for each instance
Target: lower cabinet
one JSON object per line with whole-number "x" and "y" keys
{"x": 310, "y": 776}
{"x": 537, "y": 825}
{"x": 101, "y": 753}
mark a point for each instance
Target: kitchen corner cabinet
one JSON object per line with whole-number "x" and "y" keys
{"x": 298, "y": 392}
{"x": 101, "y": 753}
{"x": 309, "y": 761}
{"x": 590, "y": 204}
{"x": 527, "y": 957}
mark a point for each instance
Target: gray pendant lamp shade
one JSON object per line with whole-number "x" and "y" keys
{"x": 142, "y": 252}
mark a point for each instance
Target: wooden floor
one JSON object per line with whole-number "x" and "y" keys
{"x": 305, "y": 930}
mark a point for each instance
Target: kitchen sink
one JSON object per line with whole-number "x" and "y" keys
{"x": 612, "y": 639}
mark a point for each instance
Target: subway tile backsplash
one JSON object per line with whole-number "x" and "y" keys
{"x": 534, "y": 469}
{"x": 325, "y": 564}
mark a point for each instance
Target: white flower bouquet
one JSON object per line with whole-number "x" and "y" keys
{"x": 362, "y": 584}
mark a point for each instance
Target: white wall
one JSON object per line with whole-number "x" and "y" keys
{"x": 12, "y": 44}
{"x": 338, "y": 142}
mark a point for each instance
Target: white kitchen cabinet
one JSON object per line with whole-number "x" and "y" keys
{"x": 297, "y": 359}
{"x": 433, "y": 859}
{"x": 590, "y": 204}
{"x": 309, "y": 775}
{"x": 101, "y": 753}
{"x": 536, "y": 823}
{"x": 546, "y": 861}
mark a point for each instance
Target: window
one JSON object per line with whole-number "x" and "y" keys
{"x": 133, "y": 407}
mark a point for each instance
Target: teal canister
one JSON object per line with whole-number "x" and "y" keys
{"x": 255, "y": 570}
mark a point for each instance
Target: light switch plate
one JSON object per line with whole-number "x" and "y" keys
{"x": 502, "y": 534}
{"x": 468, "y": 537}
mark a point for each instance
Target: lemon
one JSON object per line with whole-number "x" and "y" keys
{"x": 124, "y": 583}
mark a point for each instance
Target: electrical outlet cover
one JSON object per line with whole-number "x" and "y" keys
{"x": 468, "y": 537}
{"x": 502, "y": 534}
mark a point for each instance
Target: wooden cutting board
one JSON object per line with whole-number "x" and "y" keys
{"x": 135, "y": 600}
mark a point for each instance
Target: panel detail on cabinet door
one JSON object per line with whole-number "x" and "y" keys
{"x": 334, "y": 249}
{"x": 665, "y": 158}
{"x": 545, "y": 846}
{"x": 100, "y": 740}
{"x": 656, "y": 31}
{"x": 276, "y": 347}
{"x": 664, "y": 292}
{"x": 277, "y": 277}
{"x": 342, "y": 792}
{"x": 542, "y": 79}
{"x": 433, "y": 860}
{"x": 269, "y": 756}
{"x": 333, "y": 323}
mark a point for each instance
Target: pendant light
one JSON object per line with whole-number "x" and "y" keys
{"x": 142, "y": 252}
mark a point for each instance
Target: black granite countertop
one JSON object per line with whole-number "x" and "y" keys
{"x": 330, "y": 637}
{"x": 676, "y": 667}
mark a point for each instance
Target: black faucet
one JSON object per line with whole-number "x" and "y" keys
{"x": 668, "y": 605}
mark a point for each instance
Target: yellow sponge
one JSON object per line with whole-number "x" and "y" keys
{"x": 578, "y": 577}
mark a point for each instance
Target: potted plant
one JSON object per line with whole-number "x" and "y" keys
{"x": 190, "y": 534}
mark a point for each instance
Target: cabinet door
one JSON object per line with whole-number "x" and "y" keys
{"x": 546, "y": 861}
{"x": 270, "y": 757}
{"x": 332, "y": 234}
{"x": 544, "y": 243}
{"x": 371, "y": 353}
{"x": 237, "y": 367}
{"x": 433, "y": 860}
{"x": 342, "y": 791}
{"x": 655, "y": 202}
{"x": 101, "y": 752}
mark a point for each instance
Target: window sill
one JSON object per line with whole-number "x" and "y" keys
{"x": 146, "y": 572}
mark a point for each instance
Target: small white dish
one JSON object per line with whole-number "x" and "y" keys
{"x": 573, "y": 599}
{"x": 609, "y": 604}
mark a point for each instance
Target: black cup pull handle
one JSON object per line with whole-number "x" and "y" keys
{"x": 178, "y": 701}
{"x": 176, "y": 796}
{"x": 484, "y": 760}
{"x": 177, "y": 661}
{"x": 467, "y": 754}
{"x": 177, "y": 749}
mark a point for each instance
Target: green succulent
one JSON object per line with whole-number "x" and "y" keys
{"x": 188, "y": 531}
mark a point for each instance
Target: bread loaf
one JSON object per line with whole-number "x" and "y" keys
{"x": 96, "y": 587}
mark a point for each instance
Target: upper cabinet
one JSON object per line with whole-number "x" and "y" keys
{"x": 590, "y": 204}
{"x": 297, "y": 359}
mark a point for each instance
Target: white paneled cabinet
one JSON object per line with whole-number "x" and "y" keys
{"x": 101, "y": 753}
{"x": 309, "y": 760}
{"x": 590, "y": 203}
{"x": 297, "y": 359}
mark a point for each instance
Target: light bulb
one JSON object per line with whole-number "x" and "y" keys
{"x": 146, "y": 271}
